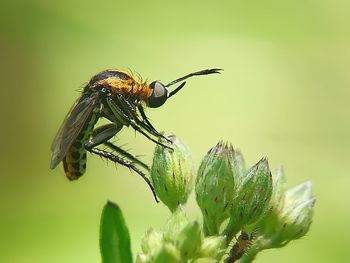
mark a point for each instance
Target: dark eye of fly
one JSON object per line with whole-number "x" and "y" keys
{"x": 159, "y": 95}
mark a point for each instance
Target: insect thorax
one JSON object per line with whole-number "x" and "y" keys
{"x": 119, "y": 83}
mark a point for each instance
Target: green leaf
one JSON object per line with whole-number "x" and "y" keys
{"x": 114, "y": 236}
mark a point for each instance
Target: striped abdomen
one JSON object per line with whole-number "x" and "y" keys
{"x": 74, "y": 163}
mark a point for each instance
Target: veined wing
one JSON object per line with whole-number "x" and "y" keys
{"x": 71, "y": 127}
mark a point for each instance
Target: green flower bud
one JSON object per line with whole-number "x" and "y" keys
{"x": 142, "y": 258}
{"x": 269, "y": 222}
{"x": 297, "y": 212}
{"x": 292, "y": 221}
{"x": 152, "y": 240}
{"x": 213, "y": 247}
{"x": 168, "y": 253}
{"x": 239, "y": 163}
{"x": 279, "y": 184}
{"x": 254, "y": 194}
{"x": 174, "y": 225}
{"x": 172, "y": 173}
{"x": 189, "y": 240}
{"x": 299, "y": 194}
{"x": 215, "y": 186}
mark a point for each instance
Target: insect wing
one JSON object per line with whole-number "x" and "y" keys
{"x": 71, "y": 127}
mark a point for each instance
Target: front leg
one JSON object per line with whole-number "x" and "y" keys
{"x": 120, "y": 160}
{"x": 145, "y": 119}
{"x": 102, "y": 135}
{"x": 117, "y": 112}
{"x": 126, "y": 154}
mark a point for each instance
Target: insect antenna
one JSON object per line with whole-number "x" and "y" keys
{"x": 198, "y": 73}
{"x": 177, "y": 89}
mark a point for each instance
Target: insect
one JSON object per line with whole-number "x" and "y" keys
{"x": 120, "y": 98}
{"x": 244, "y": 242}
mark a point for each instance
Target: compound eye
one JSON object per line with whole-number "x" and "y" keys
{"x": 159, "y": 95}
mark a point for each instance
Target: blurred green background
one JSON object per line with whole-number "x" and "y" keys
{"x": 284, "y": 94}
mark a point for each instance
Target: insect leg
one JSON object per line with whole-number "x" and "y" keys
{"x": 131, "y": 111}
{"x": 103, "y": 133}
{"x": 114, "y": 114}
{"x": 137, "y": 128}
{"x": 126, "y": 154}
{"x": 120, "y": 160}
{"x": 145, "y": 119}
{"x": 115, "y": 109}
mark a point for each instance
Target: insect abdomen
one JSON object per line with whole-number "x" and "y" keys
{"x": 74, "y": 163}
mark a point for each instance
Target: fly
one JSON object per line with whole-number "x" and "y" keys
{"x": 120, "y": 98}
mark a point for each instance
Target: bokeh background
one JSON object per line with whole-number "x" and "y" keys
{"x": 284, "y": 94}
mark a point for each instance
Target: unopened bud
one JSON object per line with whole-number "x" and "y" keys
{"x": 174, "y": 225}
{"x": 215, "y": 186}
{"x": 168, "y": 253}
{"x": 292, "y": 221}
{"x": 151, "y": 240}
{"x": 278, "y": 190}
{"x": 189, "y": 240}
{"x": 213, "y": 247}
{"x": 254, "y": 194}
{"x": 239, "y": 163}
{"x": 297, "y": 212}
{"x": 142, "y": 258}
{"x": 172, "y": 172}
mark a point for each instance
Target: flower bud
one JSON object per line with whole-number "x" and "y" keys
{"x": 299, "y": 193}
{"x": 174, "y": 225}
{"x": 213, "y": 247}
{"x": 151, "y": 240}
{"x": 297, "y": 212}
{"x": 239, "y": 164}
{"x": 141, "y": 258}
{"x": 172, "y": 173}
{"x": 278, "y": 190}
{"x": 254, "y": 194}
{"x": 293, "y": 220}
{"x": 189, "y": 240}
{"x": 168, "y": 253}
{"x": 215, "y": 186}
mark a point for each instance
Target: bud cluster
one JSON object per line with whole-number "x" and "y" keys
{"x": 232, "y": 199}
{"x": 179, "y": 241}
{"x": 225, "y": 190}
